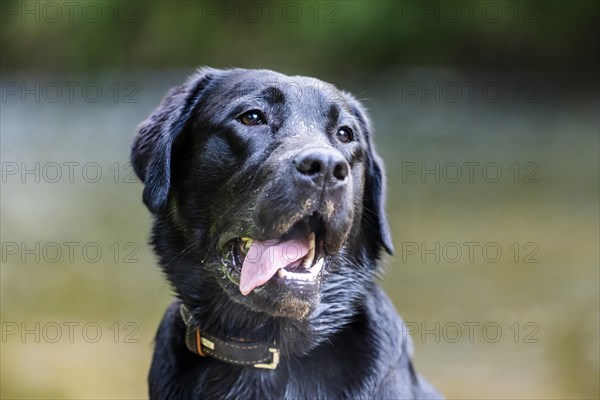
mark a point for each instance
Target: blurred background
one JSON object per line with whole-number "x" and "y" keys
{"x": 486, "y": 114}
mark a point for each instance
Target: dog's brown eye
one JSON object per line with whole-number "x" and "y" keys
{"x": 253, "y": 117}
{"x": 345, "y": 135}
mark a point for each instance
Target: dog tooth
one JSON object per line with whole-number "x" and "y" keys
{"x": 310, "y": 257}
{"x": 300, "y": 276}
{"x": 317, "y": 267}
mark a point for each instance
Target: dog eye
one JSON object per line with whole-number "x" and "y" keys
{"x": 252, "y": 117}
{"x": 345, "y": 134}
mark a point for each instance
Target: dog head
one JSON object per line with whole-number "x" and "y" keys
{"x": 266, "y": 191}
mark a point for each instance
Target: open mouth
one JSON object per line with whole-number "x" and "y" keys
{"x": 294, "y": 258}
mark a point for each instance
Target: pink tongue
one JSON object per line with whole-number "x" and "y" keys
{"x": 265, "y": 258}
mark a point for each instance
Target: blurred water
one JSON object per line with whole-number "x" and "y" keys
{"x": 527, "y": 319}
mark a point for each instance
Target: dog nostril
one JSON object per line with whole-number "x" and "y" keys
{"x": 340, "y": 171}
{"x": 309, "y": 166}
{"x": 322, "y": 164}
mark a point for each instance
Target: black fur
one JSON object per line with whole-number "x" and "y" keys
{"x": 209, "y": 178}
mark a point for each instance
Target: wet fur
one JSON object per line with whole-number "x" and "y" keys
{"x": 351, "y": 345}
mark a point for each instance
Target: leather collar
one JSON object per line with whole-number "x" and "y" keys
{"x": 237, "y": 352}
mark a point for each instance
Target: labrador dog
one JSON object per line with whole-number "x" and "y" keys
{"x": 268, "y": 205}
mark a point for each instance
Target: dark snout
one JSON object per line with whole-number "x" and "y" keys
{"x": 321, "y": 167}
{"x": 309, "y": 181}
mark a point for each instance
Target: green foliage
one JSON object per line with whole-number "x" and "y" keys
{"x": 329, "y": 36}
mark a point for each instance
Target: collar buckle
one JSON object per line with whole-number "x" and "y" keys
{"x": 274, "y": 361}
{"x": 255, "y": 354}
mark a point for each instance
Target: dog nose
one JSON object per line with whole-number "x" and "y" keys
{"x": 322, "y": 164}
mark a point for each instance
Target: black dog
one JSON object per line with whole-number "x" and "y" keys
{"x": 269, "y": 220}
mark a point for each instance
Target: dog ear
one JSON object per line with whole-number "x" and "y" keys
{"x": 152, "y": 146}
{"x": 375, "y": 225}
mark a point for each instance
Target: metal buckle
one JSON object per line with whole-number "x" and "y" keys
{"x": 274, "y": 360}
{"x": 207, "y": 343}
